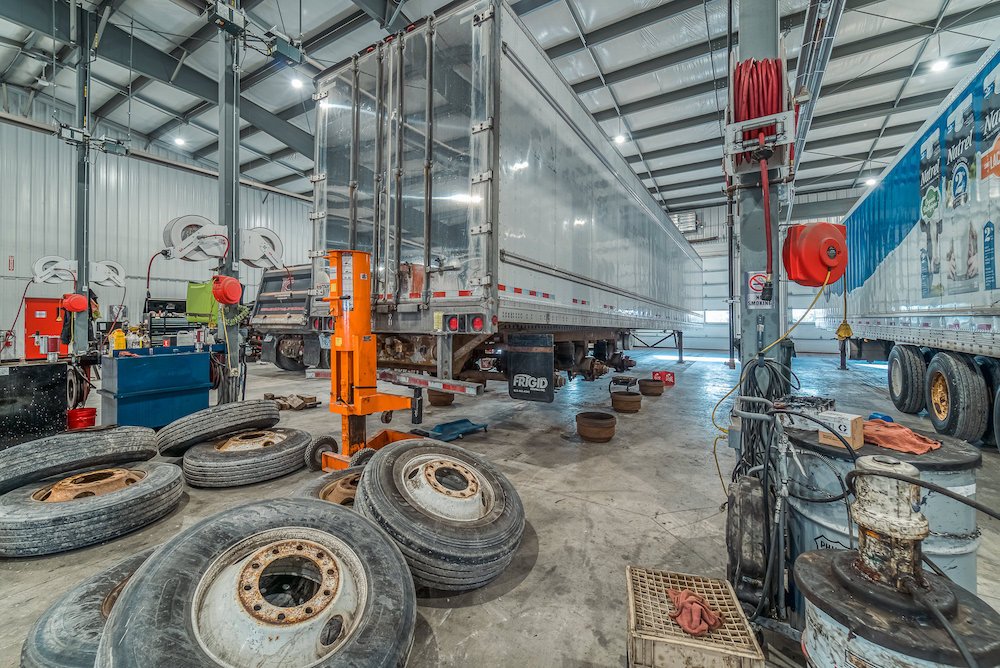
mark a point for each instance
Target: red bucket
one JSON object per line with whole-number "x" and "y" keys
{"x": 80, "y": 418}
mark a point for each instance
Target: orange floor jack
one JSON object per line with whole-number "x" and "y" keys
{"x": 353, "y": 353}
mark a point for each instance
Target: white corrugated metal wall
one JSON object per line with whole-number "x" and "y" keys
{"x": 714, "y": 336}
{"x": 131, "y": 201}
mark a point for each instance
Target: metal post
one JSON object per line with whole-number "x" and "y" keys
{"x": 352, "y": 230}
{"x": 428, "y": 160}
{"x": 229, "y": 196}
{"x": 81, "y": 237}
{"x": 758, "y": 21}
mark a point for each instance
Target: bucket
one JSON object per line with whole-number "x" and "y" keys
{"x": 80, "y": 418}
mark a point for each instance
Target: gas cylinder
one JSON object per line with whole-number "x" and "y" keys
{"x": 813, "y": 249}
{"x": 226, "y": 290}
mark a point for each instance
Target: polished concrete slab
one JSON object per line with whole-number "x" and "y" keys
{"x": 650, "y": 497}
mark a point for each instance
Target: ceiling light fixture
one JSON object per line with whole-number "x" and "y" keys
{"x": 939, "y": 65}
{"x": 619, "y": 139}
{"x": 870, "y": 182}
{"x": 179, "y": 141}
{"x": 296, "y": 83}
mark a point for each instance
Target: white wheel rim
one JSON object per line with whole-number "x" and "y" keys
{"x": 284, "y": 598}
{"x": 896, "y": 378}
{"x": 445, "y": 487}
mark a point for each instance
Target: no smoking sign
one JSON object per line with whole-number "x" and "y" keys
{"x": 755, "y": 283}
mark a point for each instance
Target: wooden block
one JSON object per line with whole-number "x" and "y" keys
{"x": 268, "y": 395}
{"x": 295, "y": 402}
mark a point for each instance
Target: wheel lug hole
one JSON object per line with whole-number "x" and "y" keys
{"x": 257, "y": 607}
{"x": 247, "y": 587}
{"x": 327, "y": 592}
{"x": 309, "y": 611}
{"x": 281, "y": 616}
{"x": 254, "y": 565}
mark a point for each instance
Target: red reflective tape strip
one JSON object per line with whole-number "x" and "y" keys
{"x": 545, "y": 295}
{"x": 518, "y": 291}
{"x": 439, "y": 294}
{"x": 465, "y": 293}
{"x": 502, "y": 287}
{"x": 576, "y": 301}
{"x": 584, "y": 301}
{"x": 414, "y": 295}
{"x": 532, "y": 293}
{"x": 456, "y": 388}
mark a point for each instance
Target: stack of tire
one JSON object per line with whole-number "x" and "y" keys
{"x": 291, "y": 582}
{"x": 81, "y": 488}
{"x": 234, "y": 444}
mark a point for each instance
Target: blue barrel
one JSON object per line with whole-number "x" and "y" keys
{"x": 954, "y": 535}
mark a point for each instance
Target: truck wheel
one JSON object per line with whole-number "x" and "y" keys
{"x": 285, "y": 362}
{"x": 290, "y": 582}
{"x": 362, "y": 456}
{"x": 246, "y": 458}
{"x": 456, "y": 519}
{"x": 907, "y": 371}
{"x": 67, "y": 634}
{"x": 956, "y": 396}
{"x": 86, "y": 508}
{"x": 73, "y": 451}
{"x": 216, "y": 421}
{"x": 339, "y": 487}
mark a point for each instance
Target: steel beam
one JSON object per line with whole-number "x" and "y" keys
{"x": 52, "y": 19}
{"x": 284, "y": 180}
{"x": 229, "y": 104}
{"x": 81, "y": 203}
{"x": 387, "y": 13}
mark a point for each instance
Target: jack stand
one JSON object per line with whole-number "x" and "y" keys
{"x": 417, "y": 406}
{"x": 353, "y": 391}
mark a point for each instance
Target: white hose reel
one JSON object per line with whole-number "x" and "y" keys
{"x": 107, "y": 273}
{"x": 53, "y": 269}
{"x": 261, "y": 248}
{"x": 194, "y": 238}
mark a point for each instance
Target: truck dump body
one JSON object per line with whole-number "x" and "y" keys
{"x": 510, "y": 204}
{"x": 921, "y": 244}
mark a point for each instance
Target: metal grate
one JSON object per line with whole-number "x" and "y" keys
{"x": 650, "y": 609}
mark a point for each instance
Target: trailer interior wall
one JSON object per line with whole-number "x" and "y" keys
{"x": 922, "y": 249}
{"x": 549, "y": 222}
{"x": 131, "y": 201}
{"x": 711, "y": 242}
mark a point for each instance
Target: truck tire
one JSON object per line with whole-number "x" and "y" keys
{"x": 907, "y": 374}
{"x": 339, "y": 487}
{"x": 313, "y": 455}
{"x": 216, "y": 421}
{"x": 200, "y": 596}
{"x": 73, "y": 451}
{"x": 32, "y": 523}
{"x": 956, "y": 396}
{"x": 286, "y": 363}
{"x": 362, "y": 456}
{"x": 245, "y": 458}
{"x": 456, "y": 519}
{"x": 67, "y": 634}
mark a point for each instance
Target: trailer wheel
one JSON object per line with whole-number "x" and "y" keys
{"x": 246, "y": 458}
{"x": 456, "y": 519}
{"x": 216, "y": 421}
{"x": 67, "y": 634}
{"x": 86, "y": 508}
{"x": 907, "y": 372}
{"x": 73, "y": 451}
{"x": 956, "y": 396}
{"x": 286, "y": 362}
{"x": 290, "y": 582}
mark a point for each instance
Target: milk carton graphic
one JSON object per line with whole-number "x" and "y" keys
{"x": 930, "y": 215}
{"x": 962, "y": 231}
{"x": 988, "y": 161}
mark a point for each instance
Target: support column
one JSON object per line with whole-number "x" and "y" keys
{"x": 229, "y": 197}
{"x": 758, "y": 25}
{"x": 81, "y": 232}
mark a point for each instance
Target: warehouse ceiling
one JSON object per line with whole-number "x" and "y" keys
{"x": 652, "y": 72}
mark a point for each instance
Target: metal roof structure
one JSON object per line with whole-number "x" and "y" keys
{"x": 652, "y": 71}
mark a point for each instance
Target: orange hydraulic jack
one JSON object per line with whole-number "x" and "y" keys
{"x": 353, "y": 352}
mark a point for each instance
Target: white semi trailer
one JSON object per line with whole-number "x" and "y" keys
{"x": 922, "y": 276}
{"x": 493, "y": 205}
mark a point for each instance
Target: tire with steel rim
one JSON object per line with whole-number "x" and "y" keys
{"x": 338, "y": 487}
{"x": 362, "y": 456}
{"x": 907, "y": 373}
{"x": 956, "y": 396}
{"x": 284, "y": 583}
{"x": 216, "y": 421}
{"x": 456, "y": 519}
{"x": 67, "y": 634}
{"x": 73, "y": 451}
{"x": 86, "y": 508}
{"x": 246, "y": 457}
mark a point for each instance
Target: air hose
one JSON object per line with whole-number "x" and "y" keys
{"x": 757, "y": 92}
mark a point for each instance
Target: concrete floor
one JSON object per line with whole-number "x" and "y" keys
{"x": 651, "y": 497}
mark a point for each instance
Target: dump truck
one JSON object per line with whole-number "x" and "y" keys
{"x": 500, "y": 218}
{"x": 922, "y": 271}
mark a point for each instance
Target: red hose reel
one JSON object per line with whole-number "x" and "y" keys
{"x": 226, "y": 290}
{"x": 812, "y": 250}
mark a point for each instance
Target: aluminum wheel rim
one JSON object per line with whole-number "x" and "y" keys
{"x": 341, "y": 491}
{"x": 940, "y": 400}
{"x": 251, "y": 440}
{"x": 896, "y": 379}
{"x": 90, "y": 484}
{"x": 445, "y": 487}
{"x": 283, "y": 598}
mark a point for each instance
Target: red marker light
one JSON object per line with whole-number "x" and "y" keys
{"x": 477, "y": 323}
{"x": 453, "y": 323}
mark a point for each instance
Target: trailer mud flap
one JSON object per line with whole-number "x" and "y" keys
{"x": 531, "y": 367}
{"x": 268, "y": 346}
